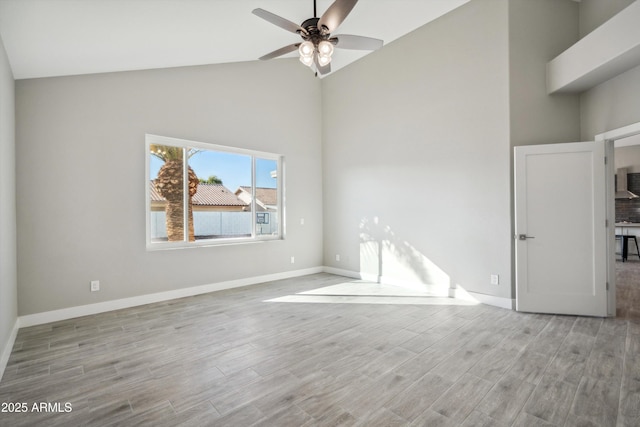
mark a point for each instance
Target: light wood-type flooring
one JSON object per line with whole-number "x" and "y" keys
{"x": 268, "y": 355}
{"x": 628, "y": 288}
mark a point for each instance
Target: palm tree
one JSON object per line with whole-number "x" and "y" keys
{"x": 169, "y": 184}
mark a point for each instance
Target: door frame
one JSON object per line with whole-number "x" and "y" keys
{"x": 608, "y": 138}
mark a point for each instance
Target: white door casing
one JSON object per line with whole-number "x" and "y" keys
{"x": 609, "y": 138}
{"x": 560, "y": 229}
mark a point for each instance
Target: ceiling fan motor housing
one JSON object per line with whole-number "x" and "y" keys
{"x": 314, "y": 34}
{"x": 317, "y": 45}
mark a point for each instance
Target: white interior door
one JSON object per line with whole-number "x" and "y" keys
{"x": 560, "y": 230}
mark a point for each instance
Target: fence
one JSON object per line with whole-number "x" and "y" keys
{"x": 208, "y": 225}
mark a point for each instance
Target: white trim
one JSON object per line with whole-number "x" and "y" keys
{"x": 101, "y": 307}
{"x": 508, "y": 303}
{"x": 185, "y": 144}
{"x": 609, "y": 139}
{"x": 346, "y": 273}
{"x": 254, "y": 196}
{"x": 181, "y": 142}
{"x": 185, "y": 197}
{"x": 623, "y": 132}
{"x": 8, "y": 347}
{"x": 610, "y": 173}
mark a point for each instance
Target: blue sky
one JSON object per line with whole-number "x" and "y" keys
{"x": 233, "y": 169}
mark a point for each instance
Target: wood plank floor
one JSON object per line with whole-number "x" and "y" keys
{"x": 244, "y": 357}
{"x": 628, "y": 288}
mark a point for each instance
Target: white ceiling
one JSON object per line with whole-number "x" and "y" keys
{"x": 68, "y": 37}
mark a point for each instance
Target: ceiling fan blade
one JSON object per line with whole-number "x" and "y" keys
{"x": 279, "y": 21}
{"x": 280, "y": 52}
{"x": 322, "y": 70}
{"x": 347, "y": 41}
{"x": 335, "y": 14}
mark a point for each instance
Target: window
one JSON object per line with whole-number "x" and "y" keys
{"x": 203, "y": 194}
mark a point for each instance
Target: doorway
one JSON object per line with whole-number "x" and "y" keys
{"x": 623, "y": 147}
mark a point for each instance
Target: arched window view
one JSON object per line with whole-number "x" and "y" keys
{"x": 230, "y": 194}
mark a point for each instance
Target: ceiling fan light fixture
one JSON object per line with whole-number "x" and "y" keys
{"x": 307, "y": 60}
{"x": 306, "y": 49}
{"x": 317, "y": 47}
{"x": 325, "y": 48}
{"x": 324, "y": 60}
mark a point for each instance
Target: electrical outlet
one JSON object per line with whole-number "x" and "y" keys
{"x": 293, "y": 260}
{"x": 337, "y": 257}
{"x": 95, "y": 285}
{"x": 301, "y": 221}
{"x": 495, "y": 279}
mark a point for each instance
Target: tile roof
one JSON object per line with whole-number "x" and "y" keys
{"x": 268, "y": 196}
{"x": 207, "y": 195}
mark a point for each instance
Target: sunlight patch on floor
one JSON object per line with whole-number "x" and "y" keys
{"x": 361, "y": 287}
{"x": 362, "y": 292}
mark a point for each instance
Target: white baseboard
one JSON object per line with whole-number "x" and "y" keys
{"x": 346, "y": 273}
{"x": 508, "y": 303}
{"x": 8, "y": 347}
{"x": 101, "y": 307}
{"x": 89, "y": 309}
{"x": 492, "y": 300}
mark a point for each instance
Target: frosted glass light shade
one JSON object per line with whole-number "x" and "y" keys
{"x": 306, "y": 49}
{"x": 325, "y": 48}
{"x": 323, "y": 60}
{"x": 307, "y": 60}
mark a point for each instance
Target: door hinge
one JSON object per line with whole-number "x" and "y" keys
{"x": 606, "y": 223}
{"x": 605, "y": 160}
{"x": 607, "y": 285}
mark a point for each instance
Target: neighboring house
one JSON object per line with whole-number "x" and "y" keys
{"x": 217, "y": 212}
{"x": 209, "y": 197}
{"x": 266, "y": 202}
{"x": 266, "y": 198}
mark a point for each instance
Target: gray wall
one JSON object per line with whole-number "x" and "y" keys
{"x": 8, "y": 281}
{"x": 628, "y": 157}
{"x": 616, "y": 102}
{"x": 81, "y": 182}
{"x": 594, "y": 13}
{"x": 416, "y": 155}
{"x": 611, "y": 105}
{"x": 539, "y": 31}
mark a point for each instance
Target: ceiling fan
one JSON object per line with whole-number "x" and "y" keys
{"x": 316, "y": 47}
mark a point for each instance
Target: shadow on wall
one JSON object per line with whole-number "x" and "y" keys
{"x": 392, "y": 271}
{"x": 387, "y": 258}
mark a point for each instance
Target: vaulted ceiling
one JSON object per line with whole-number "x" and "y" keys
{"x": 68, "y": 37}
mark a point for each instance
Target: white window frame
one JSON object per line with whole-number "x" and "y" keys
{"x": 185, "y": 144}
